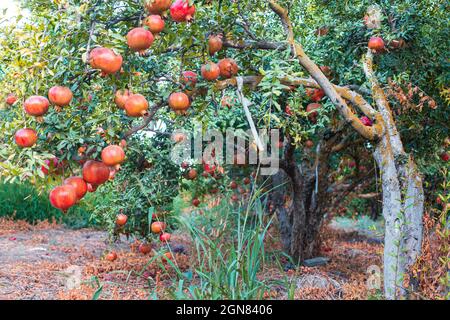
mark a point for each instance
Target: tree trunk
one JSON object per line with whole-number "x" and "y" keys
{"x": 402, "y": 210}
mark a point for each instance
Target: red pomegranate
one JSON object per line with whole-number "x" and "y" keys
{"x": 95, "y": 172}
{"x": 445, "y": 156}
{"x": 164, "y": 237}
{"x": 139, "y": 39}
{"x": 195, "y": 202}
{"x": 215, "y": 44}
{"x": 180, "y": 11}
{"x": 136, "y": 105}
{"x": 154, "y": 23}
{"x": 121, "y": 97}
{"x": 112, "y": 256}
{"x": 192, "y": 174}
{"x": 113, "y": 155}
{"x": 26, "y": 137}
{"x": 366, "y": 121}
{"x": 121, "y": 219}
{"x": 179, "y": 101}
{"x": 158, "y": 226}
{"x": 145, "y": 247}
{"x": 315, "y": 94}
{"x": 36, "y": 106}
{"x": 312, "y": 110}
{"x": 78, "y": 184}
{"x": 326, "y": 71}
{"x": 228, "y": 68}
{"x": 376, "y": 44}
{"x": 60, "y": 96}
{"x": 11, "y": 99}
{"x": 106, "y": 60}
{"x": 233, "y": 185}
{"x": 158, "y": 6}
{"x": 63, "y": 197}
{"x": 210, "y": 71}
{"x": 189, "y": 78}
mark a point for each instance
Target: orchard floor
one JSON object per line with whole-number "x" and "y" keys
{"x": 48, "y": 261}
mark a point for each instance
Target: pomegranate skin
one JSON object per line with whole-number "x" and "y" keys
{"x": 63, "y": 197}
{"x": 136, "y": 105}
{"x": 113, "y": 155}
{"x": 140, "y": 39}
{"x": 179, "y": 101}
{"x": 36, "y": 106}
{"x": 376, "y": 44}
{"x": 180, "y": 11}
{"x": 79, "y": 185}
{"x": 210, "y": 71}
{"x": 154, "y": 23}
{"x": 228, "y": 68}
{"x": 95, "y": 172}
{"x": 25, "y": 138}
{"x": 60, "y": 96}
{"x": 106, "y": 60}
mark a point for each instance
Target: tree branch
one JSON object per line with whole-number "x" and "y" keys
{"x": 147, "y": 119}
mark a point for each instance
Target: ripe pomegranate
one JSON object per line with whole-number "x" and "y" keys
{"x": 366, "y": 121}
{"x": 11, "y": 99}
{"x": 397, "y": 44}
{"x": 158, "y": 226}
{"x": 192, "y": 174}
{"x": 323, "y": 31}
{"x": 25, "y": 138}
{"x": 233, "y": 185}
{"x": 95, "y": 172}
{"x": 113, "y": 155}
{"x": 228, "y": 68}
{"x": 106, "y": 60}
{"x": 234, "y": 198}
{"x": 352, "y": 164}
{"x": 139, "y": 39}
{"x": 79, "y": 186}
{"x": 180, "y": 11}
{"x": 195, "y": 202}
{"x": 189, "y": 79}
{"x": 36, "y": 106}
{"x": 111, "y": 256}
{"x": 60, "y": 96}
{"x": 214, "y": 190}
{"x": 215, "y": 44}
{"x": 312, "y": 109}
{"x": 63, "y": 197}
{"x": 163, "y": 237}
{"x": 445, "y": 156}
{"x": 123, "y": 143}
{"x": 158, "y": 6}
{"x": 246, "y": 181}
{"x": 121, "y": 97}
{"x": 309, "y": 144}
{"x": 179, "y": 101}
{"x": 315, "y": 94}
{"x": 376, "y": 44}
{"x": 210, "y": 71}
{"x": 145, "y": 248}
{"x": 121, "y": 219}
{"x": 136, "y": 105}
{"x": 154, "y": 23}
{"x": 167, "y": 256}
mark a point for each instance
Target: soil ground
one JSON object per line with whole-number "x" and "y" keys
{"x": 48, "y": 261}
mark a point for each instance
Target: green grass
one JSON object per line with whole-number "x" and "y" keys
{"x": 23, "y": 201}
